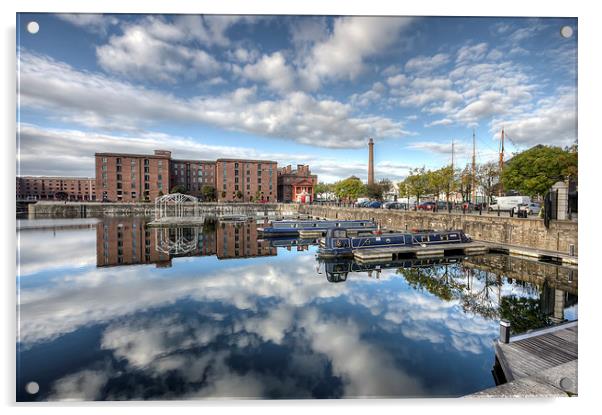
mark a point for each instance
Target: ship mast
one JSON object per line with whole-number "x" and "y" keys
{"x": 474, "y": 169}
{"x": 501, "y": 163}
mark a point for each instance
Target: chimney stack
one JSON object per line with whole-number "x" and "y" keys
{"x": 370, "y": 161}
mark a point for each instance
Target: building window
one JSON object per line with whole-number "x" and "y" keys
{"x": 146, "y": 186}
{"x": 147, "y": 169}
{"x": 104, "y": 159}
{"x": 235, "y": 165}
{"x": 119, "y": 185}
{"x": 119, "y": 177}
{"x": 118, "y": 160}
{"x": 159, "y": 177}
{"x": 146, "y": 162}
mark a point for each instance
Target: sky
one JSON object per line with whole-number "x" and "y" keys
{"x": 295, "y": 89}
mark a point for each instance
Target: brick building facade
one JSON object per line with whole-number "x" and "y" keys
{"x": 296, "y": 185}
{"x": 132, "y": 177}
{"x": 123, "y": 177}
{"x": 246, "y": 180}
{"x": 192, "y": 175}
{"x": 56, "y": 188}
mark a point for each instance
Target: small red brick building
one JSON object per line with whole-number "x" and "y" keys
{"x": 296, "y": 185}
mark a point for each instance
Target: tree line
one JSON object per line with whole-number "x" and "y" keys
{"x": 529, "y": 173}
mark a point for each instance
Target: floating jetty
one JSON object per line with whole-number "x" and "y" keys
{"x": 396, "y": 253}
{"x": 538, "y": 363}
{"x": 314, "y": 228}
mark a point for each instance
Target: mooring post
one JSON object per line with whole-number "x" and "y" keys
{"x": 572, "y": 250}
{"x": 504, "y": 331}
{"x": 498, "y": 211}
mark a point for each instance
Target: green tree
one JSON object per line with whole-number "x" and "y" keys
{"x": 535, "y": 170}
{"x": 377, "y": 190}
{"x": 179, "y": 189}
{"x": 488, "y": 176}
{"x": 323, "y": 188}
{"x": 208, "y": 193}
{"x": 447, "y": 177}
{"x": 417, "y": 182}
{"x": 349, "y": 189}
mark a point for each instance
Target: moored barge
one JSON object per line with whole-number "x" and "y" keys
{"x": 338, "y": 242}
{"x": 294, "y": 227}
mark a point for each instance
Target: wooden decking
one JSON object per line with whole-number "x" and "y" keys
{"x": 532, "y": 353}
{"x": 542, "y": 363}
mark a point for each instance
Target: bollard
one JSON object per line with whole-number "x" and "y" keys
{"x": 504, "y": 331}
{"x": 481, "y": 211}
{"x": 572, "y": 250}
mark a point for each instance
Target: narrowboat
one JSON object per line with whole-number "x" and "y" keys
{"x": 337, "y": 242}
{"x": 293, "y": 227}
{"x": 337, "y": 269}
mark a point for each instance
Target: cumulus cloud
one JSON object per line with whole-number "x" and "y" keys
{"x": 426, "y": 63}
{"x": 553, "y": 121}
{"x": 353, "y": 39}
{"x": 471, "y": 53}
{"x": 439, "y": 148}
{"x": 154, "y": 49}
{"x": 273, "y": 70}
{"x": 93, "y": 98}
{"x": 95, "y": 23}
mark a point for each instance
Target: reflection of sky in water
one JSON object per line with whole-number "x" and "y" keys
{"x": 256, "y": 327}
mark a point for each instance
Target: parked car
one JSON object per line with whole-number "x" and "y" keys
{"x": 426, "y": 206}
{"x": 397, "y": 205}
{"x": 508, "y": 202}
{"x": 531, "y": 208}
{"x": 442, "y": 205}
{"x": 374, "y": 204}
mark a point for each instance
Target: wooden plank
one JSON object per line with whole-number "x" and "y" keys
{"x": 532, "y": 354}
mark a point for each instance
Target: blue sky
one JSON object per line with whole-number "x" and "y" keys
{"x": 296, "y": 89}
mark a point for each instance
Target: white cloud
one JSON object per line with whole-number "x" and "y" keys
{"x": 471, "y": 53}
{"x": 439, "y": 148}
{"x": 92, "y": 98}
{"x": 444, "y": 121}
{"x": 427, "y": 64}
{"x": 553, "y": 121}
{"x": 154, "y": 49}
{"x": 353, "y": 39}
{"x": 272, "y": 70}
{"x": 95, "y": 23}
{"x": 397, "y": 80}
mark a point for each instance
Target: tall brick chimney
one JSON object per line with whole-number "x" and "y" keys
{"x": 370, "y": 161}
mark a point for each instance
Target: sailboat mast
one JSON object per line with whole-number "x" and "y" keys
{"x": 474, "y": 169}
{"x": 501, "y": 163}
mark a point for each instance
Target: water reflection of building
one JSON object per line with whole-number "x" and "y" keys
{"x": 129, "y": 242}
{"x": 239, "y": 240}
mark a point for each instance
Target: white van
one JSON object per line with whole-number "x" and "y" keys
{"x": 509, "y": 202}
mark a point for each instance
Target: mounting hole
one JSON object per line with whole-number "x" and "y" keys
{"x": 32, "y": 388}
{"x": 33, "y": 27}
{"x": 566, "y": 384}
{"x": 566, "y": 31}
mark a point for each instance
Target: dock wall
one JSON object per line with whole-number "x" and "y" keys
{"x": 95, "y": 209}
{"x": 529, "y": 233}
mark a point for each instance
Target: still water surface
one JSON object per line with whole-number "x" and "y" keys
{"x": 117, "y": 311}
